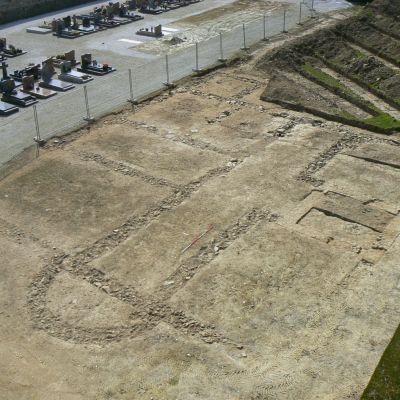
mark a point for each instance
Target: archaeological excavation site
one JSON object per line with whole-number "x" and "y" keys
{"x": 233, "y": 236}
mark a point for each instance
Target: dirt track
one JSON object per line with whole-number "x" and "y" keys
{"x": 207, "y": 245}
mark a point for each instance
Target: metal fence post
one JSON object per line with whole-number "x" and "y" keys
{"x": 131, "y": 98}
{"x": 265, "y": 38}
{"x": 244, "y": 38}
{"x": 284, "y": 22}
{"x": 221, "y": 49}
{"x": 312, "y": 9}
{"x": 168, "y": 82}
{"x": 300, "y": 12}
{"x": 88, "y": 117}
{"x": 197, "y": 69}
{"x": 37, "y": 138}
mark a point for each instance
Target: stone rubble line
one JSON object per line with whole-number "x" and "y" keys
{"x": 350, "y": 140}
{"x": 150, "y": 310}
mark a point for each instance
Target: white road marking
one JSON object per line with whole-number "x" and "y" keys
{"x": 130, "y": 41}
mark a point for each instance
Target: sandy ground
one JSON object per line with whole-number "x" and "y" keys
{"x": 206, "y": 245}
{"x": 209, "y": 24}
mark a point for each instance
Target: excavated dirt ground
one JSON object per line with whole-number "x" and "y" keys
{"x": 207, "y": 245}
{"x": 348, "y": 72}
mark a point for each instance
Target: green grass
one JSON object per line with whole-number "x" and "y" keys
{"x": 385, "y": 382}
{"x": 347, "y": 115}
{"x": 323, "y": 77}
{"x": 359, "y": 54}
{"x": 383, "y": 120}
{"x": 331, "y": 81}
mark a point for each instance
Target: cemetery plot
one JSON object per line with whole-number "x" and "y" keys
{"x": 9, "y": 50}
{"x": 32, "y": 70}
{"x": 13, "y": 96}
{"x": 152, "y": 32}
{"x": 88, "y": 65}
{"x": 69, "y": 75}
{"x": 68, "y": 56}
{"x": 48, "y": 82}
{"x": 30, "y": 87}
{"x": 7, "y": 109}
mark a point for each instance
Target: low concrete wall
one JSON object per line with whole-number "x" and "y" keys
{"x": 12, "y": 10}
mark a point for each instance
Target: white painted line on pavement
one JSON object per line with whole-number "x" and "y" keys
{"x": 130, "y": 41}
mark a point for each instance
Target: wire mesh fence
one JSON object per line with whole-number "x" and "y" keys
{"x": 75, "y": 108}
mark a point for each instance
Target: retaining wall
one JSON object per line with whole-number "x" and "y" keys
{"x": 12, "y": 10}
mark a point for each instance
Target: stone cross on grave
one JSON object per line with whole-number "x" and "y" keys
{"x": 4, "y": 69}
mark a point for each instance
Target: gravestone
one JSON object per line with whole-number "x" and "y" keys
{"x": 48, "y": 70}
{"x": 132, "y": 4}
{"x": 7, "y": 86}
{"x": 31, "y": 70}
{"x": 93, "y": 67}
{"x": 47, "y": 78}
{"x": 29, "y": 87}
{"x": 86, "y": 22}
{"x": 70, "y": 56}
{"x": 13, "y": 96}
{"x": 28, "y": 83}
{"x": 67, "y": 22}
{"x": 68, "y": 75}
{"x": 4, "y": 70}
{"x": 66, "y": 67}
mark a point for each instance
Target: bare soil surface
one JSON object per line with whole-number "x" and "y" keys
{"x": 202, "y": 245}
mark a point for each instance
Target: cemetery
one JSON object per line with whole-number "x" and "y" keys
{"x": 23, "y": 87}
{"x": 108, "y": 16}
